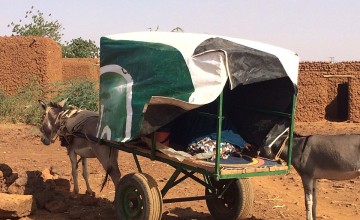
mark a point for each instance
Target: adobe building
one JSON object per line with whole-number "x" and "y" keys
{"x": 27, "y": 59}
{"x": 80, "y": 68}
{"x": 326, "y": 91}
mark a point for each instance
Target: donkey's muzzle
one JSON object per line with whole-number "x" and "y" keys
{"x": 45, "y": 140}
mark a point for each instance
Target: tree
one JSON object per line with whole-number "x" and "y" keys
{"x": 38, "y": 26}
{"x": 155, "y": 30}
{"x": 177, "y": 29}
{"x": 80, "y": 48}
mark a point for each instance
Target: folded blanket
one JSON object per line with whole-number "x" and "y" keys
{"x": 71, "y": 122}
{"x": 208, "y": 145}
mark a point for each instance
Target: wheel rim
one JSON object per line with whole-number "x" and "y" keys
{"x": 132, "y": 202}
{"x": 225, "y": 203}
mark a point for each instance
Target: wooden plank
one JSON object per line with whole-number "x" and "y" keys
{"x": 339, "y": 76}
{"x": 225, "y": 169}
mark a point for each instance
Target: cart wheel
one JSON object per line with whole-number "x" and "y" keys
{"x": 236, "y": 202}
{"x": 138, "y": 197}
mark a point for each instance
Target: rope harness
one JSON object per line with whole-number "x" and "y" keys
{"x": 282, "y": 145}
{"x": 62, "y": 118}
{"x": 281, "y": 148}
{"x": 64, "y": 135}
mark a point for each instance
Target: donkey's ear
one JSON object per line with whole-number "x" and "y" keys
{"x": 43, "y": 105}
{"x": 62, "y": 103}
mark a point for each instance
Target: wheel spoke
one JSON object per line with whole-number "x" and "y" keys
{"x": 132, "y": 202}
{"x": 232, "y": 199}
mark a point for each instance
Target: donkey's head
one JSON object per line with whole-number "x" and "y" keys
{"x": 49, "y": 120}
{"x": 274, "y": 139}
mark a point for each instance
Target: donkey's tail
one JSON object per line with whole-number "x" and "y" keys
{"x": 108, "y": 171}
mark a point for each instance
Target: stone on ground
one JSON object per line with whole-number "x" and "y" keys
{"x": 16, "y": 206}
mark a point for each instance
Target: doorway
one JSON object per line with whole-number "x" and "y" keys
{"x": 343, "y": 101}
{"x": 338, "y": 109}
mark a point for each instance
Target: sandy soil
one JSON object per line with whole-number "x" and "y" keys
{"x": 276, "y": 197}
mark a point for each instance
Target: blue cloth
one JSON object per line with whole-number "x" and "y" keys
{"x": 228, "y": 136}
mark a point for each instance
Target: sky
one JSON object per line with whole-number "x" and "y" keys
{"x": 317, "y": 30}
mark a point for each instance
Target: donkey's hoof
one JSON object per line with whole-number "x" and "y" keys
{"x": 90, "y": 193}
{"x": 74, "y": 195}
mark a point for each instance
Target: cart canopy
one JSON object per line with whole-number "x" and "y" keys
{"x": 148, "y": 79}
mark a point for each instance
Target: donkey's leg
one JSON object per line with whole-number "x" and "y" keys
{"x": 74, "y": 173}
{"x": 308, "y": 190}
{"x": 314, "y": 192}
{"x": 85, "y": 175}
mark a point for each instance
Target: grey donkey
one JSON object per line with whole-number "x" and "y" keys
{"x": 333, "y": 157}
{"x": 53, "y": 121}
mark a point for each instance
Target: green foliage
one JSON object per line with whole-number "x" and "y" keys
{"x": 22, "y": 107}
{"x": 38, "y": 26}
{"x": 79, "y": 48}
{"x": 155, "y": 30}
{"x": 177, "y": 29}
{"x": 81, "y": 93}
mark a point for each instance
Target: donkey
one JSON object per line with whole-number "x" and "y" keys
{"x": 76, "y": 145}
{"x": 333, "y": 157}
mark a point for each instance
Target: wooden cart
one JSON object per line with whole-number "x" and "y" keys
{"x": 185, "y": 82}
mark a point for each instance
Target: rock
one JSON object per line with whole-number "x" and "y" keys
{"x": 3, "y": 187}
{"x": 21, "y": 181}
{"x": 14, "y": 189}
{"x": 50, "y": 184}
{"x": 11, "y": 179}
{"x": 76, "y": 213}
{"x": 108, "y": 213}
{"x": 88, "y": 200}
{"x": 16, "y": 206}
{"x": 46, "y": 175}
{"x": 62, "y": 184}
{"x": 43, "y": 197}
{"x": 56, "y": 206}
{"x": 5, "y": 170}
{"x": 35, "y": 182}
{"x": 54, "y": 170}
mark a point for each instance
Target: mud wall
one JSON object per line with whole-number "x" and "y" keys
{"x": 80, "y": 68}
{"x": 328, "y": 91}
{"x": 26, "y": 59}
{"x": 38, "y": 59}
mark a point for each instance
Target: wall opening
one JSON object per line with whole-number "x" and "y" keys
{"x": 343, "y": 101}
{"x": 338, "y": 109}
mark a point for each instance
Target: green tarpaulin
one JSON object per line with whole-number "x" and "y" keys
{"x": 148, "y": 79}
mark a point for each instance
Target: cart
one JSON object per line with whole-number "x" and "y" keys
{"x": 185, "y": 86}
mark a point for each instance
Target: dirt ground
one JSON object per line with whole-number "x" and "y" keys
{"x": 276, "y": 197}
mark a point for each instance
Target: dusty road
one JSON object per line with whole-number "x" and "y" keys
{"x": 276, "y": 197}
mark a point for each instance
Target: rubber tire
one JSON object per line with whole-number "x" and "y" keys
{"x": 236, "y": 203}
{"x": 138, "y": 197}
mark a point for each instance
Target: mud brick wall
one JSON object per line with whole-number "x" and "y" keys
{"x": 25, "y": 59}
{"x": 322, "y": 92}
{"x": 321, "y": 85}
{"x": 80, "y": 68}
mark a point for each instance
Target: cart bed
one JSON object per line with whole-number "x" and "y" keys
{"x": 231, "y": 166}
